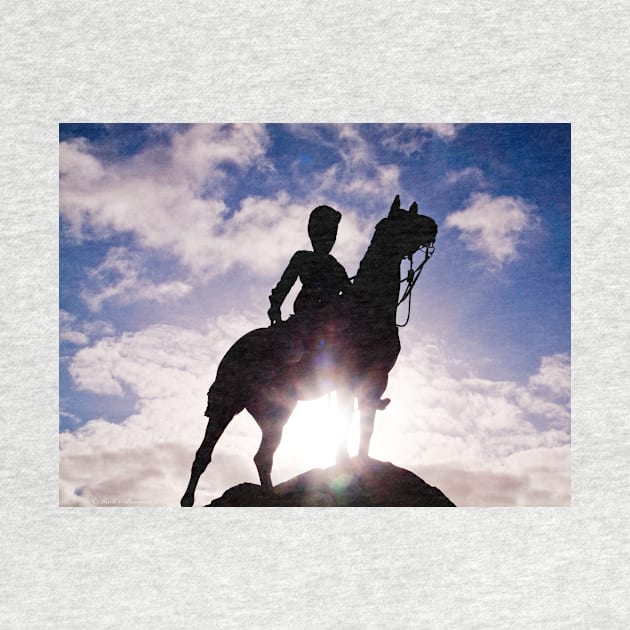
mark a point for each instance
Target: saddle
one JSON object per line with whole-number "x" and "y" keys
{"x": 309, "y": 336}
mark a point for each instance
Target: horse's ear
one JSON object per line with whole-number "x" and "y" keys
{"x": 395, "y": 205}
{"x": 414, "y": 208}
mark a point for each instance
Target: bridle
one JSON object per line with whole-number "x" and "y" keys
{"x": 413, "y": 275}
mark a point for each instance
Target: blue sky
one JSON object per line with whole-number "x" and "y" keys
{"x": 171, "y": 237}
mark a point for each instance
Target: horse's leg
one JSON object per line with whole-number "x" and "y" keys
{"x": 345, "y": 404}
{"x": 215, "y": 428}
{"x": 271, "y": 421}
{"x": 372, "y": 389}
{"x": 368, "y": 414}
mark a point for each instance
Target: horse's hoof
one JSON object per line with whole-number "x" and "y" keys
{"x": 187, "y": 501}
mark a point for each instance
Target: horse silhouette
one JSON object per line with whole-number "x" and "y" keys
{"x": 269, "y": 369}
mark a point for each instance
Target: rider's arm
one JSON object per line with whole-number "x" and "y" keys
{"x": 280, "y": 291}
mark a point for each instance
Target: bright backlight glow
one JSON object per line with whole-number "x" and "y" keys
{"x": 311, "y": 436}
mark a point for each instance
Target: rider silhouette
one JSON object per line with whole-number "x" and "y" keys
{"x": 323, "y": 279}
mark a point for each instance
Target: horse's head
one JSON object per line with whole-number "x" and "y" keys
{"x": 407, "y": 231}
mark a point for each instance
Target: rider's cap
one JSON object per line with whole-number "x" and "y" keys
{"x": 323, "y": 218}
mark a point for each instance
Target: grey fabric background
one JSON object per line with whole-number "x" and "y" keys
{"x": 329, "y": 61}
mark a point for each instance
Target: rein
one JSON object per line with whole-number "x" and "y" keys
{"x": 412, "y": 277}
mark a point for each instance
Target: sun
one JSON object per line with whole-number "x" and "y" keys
{"x": 311, "y": 436}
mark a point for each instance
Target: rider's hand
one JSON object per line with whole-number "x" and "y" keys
{"x": 274, "y": 315}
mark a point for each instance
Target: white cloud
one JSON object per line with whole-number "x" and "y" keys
{"x": 146, "y": 459}
{"x": 70, "y": 416}
{"x": 119, "y": 277}
{"x": 265, "y": 232}
{"x": 536, "y": 477}
{"x": 359, "y": 175}
{"x": 554, "y": 374}
{"x": 74, "y": 337}
{"x": 75, "y": 162}
{"x": 445, "y": 130}
{"x": 79, "y": 333}
{"x": 483, "y": 442}
{"x": 65, "y": 317}
{"x": 354, "y": 149}
{"x": 91, "y": 375}
{"x": 412, "y": 137}
{"x": 98, "y": 328}
{"x": 168, "y": 197}
{"x": 383, "y": 181}
{"x": 344, "y": 140}
{"x": 200, "y": 153}
{"x": 494, "y": 226}
{"x": 470, "y": 174}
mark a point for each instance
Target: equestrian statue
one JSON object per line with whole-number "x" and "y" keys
{"x": 343, "y": 336}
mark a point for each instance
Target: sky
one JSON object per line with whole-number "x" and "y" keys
{"x": 172, "y": 236}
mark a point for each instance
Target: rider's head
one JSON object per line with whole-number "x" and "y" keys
{"x": 322, "y": 228}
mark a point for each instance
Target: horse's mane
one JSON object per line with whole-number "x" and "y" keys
{"x": 377, "y": 278}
